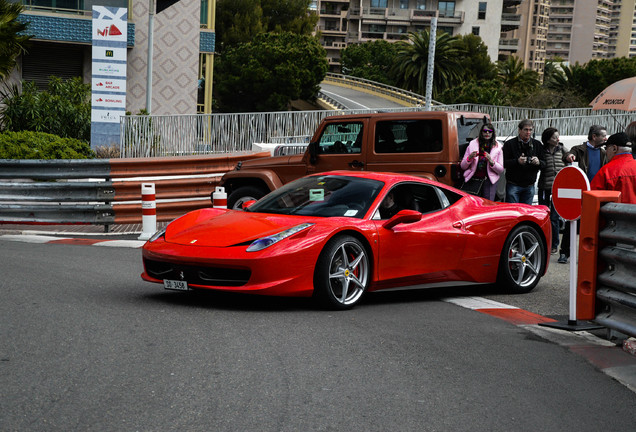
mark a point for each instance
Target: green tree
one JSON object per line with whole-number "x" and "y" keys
{"x": 476, "y": 62}
{"x": 237, "y": 21}
{"x": 240, "y": 21}
{"x": 595, "y": 75}
{"x": 12, "y": 44}
{"x": 63, "y": 109}
{"x": 515, "y": 76}
{"x": 269, "y": 72}
{"x": 370, "y": 60}
{"x": 288, "y": 15}
{"x": 412, "y": 62}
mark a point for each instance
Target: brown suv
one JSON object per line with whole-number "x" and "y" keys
{"x": 426, "y": 144}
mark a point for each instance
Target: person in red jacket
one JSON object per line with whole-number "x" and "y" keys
{"x": 619, "y": 173}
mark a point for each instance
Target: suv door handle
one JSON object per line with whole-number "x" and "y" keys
{"x": 356, "y": 164}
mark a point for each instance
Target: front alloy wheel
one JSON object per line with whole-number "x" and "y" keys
{"x": 342, "y": 273}
{"x": 522, "y": 260}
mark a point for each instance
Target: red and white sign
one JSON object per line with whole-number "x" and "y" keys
{"x": 567, "y": 192}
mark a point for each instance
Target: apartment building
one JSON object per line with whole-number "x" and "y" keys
{"x": 622, "y": 37}
{"x": 581, "y": 31}
{"x": 183, "y": 42}
{"x": 528, "y": 42}
{"x": 344, "y": 22}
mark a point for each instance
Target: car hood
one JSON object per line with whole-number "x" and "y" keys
{"x": 214, "y": 228}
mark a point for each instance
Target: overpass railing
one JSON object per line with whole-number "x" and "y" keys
{"x": 209, "y": 134}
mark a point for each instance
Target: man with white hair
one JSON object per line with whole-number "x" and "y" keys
{"x": 619, "y": 173}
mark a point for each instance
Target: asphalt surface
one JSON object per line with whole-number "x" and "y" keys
{"x": 86, "y": 345}
{"x": 356, "y": 99}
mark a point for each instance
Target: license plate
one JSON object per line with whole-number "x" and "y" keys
{"x": 175, "y": 285}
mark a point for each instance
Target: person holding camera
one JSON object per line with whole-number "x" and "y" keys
{"x": 523, "y": 159}
{"x": 483, "y": 161}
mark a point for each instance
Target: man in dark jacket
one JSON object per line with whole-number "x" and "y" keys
{"x": 523, "y": 158}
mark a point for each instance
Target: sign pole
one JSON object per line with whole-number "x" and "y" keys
{"x": 567, "y": 192}
{"x": 573, "y": 272}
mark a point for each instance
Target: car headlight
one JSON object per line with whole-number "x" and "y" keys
{"x": 266, "y": 242}
{"x": 157, "y": 235}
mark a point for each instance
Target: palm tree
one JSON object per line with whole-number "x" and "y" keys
{"x": 515, "y": 76}
{"x": 411, "y": 63}
{"x": 12, "y": 44}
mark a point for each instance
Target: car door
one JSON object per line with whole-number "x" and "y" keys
{"x": 422, "y": 252}
{"x": 340, "y": 147}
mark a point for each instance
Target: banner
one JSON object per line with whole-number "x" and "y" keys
{"x": 108, "y": 83}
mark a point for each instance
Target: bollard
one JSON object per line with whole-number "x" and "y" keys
{"x": 148, "y": 211}
{"x": 219, "y": 198}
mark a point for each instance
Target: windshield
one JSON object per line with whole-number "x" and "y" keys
{"x": 326, "y": 196}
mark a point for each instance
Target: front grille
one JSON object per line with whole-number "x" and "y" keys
{"x": 197, "y": 275}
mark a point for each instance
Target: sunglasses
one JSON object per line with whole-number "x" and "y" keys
{"x": 487, "y": 130}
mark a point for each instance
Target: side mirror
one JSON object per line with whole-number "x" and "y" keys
{"x": 247, "y": 204}
{"x": 313, "y": 152}
{"x": 403, "y": 217}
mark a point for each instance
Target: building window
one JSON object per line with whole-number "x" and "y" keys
{"x": 420, "y": 5}
{"x": 404, "y": 4}
{"x": 481, "y": 14}
{"x": 475, "y": 31}
{"x": 378, "y": 3}
{"x": 446, "y": 8}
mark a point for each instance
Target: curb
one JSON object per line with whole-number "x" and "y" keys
{"x": 48, "y": 239}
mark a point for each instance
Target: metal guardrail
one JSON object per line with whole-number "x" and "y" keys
{"x": 616, "y": 287}
{"x": 106, "y": 192}
{"x": 606, "y": 285}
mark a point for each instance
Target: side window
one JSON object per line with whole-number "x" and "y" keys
{"x": 410, "y": 196}
{"x": 408, "y": 136}
{"x": 341, "y": 138}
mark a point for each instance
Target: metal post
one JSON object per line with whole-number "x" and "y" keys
{"x": 151, "y": 20}
{"x": 431, "y": 62}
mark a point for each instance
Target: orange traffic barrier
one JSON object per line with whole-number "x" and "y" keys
{"x": 591, "y": 224}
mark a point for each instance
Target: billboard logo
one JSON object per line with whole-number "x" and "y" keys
{"x": 110, "y": 53}
{"x": 112, "y": 30}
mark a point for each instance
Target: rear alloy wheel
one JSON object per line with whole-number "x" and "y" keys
{"x": 342, "y": 273}
{"x": 522, "y": 260}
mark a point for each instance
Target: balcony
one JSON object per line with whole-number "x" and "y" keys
{"x": 69, "y": 7}
{"x": 510, "y": 21}
{"x": 509, "y": 45}
{"x": 456, "y": 19}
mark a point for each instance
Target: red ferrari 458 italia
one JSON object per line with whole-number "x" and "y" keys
{"x": 340, "y": 234}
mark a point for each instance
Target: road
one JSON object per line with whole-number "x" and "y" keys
{"x": 355, "y": 99}
{"x": 86, "y": 345}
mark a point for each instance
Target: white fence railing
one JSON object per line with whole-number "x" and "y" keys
{"x": 171, "y": 135}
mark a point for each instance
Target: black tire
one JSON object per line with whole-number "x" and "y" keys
{"x": 245, "y": 193}
{"x": 342, "y": 274}
{"x": 522, "y": 260}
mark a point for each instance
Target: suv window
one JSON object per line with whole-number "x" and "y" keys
{"x": 340, "y": 138}
{"x": 467, "y": 130}
{"x": 408, "y": 136}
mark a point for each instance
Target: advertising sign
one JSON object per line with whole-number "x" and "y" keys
{"x": 108, "y": 83}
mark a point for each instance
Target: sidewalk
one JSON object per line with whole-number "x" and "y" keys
{"x": 114, "y": 231}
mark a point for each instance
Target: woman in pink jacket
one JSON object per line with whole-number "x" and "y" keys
{"x": 484, "y": 160}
